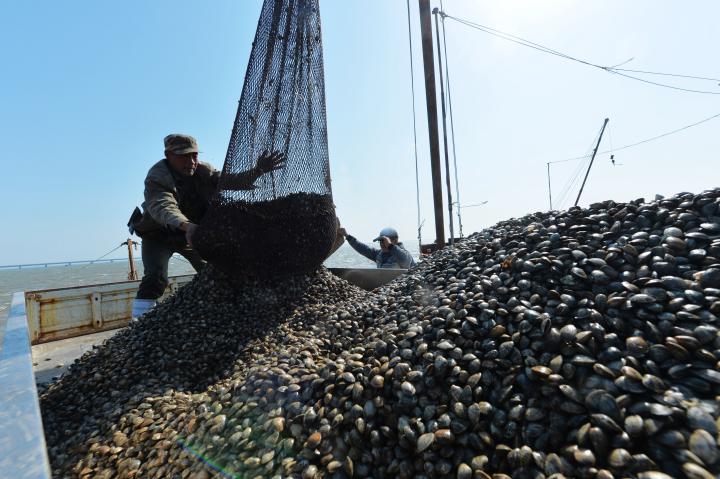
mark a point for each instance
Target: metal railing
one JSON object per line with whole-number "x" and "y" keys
{"x": 22, "y": 441}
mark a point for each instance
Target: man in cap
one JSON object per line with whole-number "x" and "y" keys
{"x": 178, "y": 190}
{"x": 391, "y": 254}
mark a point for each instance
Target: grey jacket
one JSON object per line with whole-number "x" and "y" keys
{"x": 396, "y": 257}
{"x": 161, "y": 208}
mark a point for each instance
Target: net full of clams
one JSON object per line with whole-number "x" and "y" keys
{"x": 582, "y": 343}
{"x": 285, "y": 221}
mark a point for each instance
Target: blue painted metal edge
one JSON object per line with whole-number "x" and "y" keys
{"x": 23, "y": 454}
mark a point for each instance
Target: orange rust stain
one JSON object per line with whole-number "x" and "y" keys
{"x": 48, "y": 319}
{"x": 73, "y": 332}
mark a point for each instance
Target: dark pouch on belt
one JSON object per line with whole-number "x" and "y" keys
{"x": 135, "y": 218}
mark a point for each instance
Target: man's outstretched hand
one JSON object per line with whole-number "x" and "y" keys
{"x": 270, "y": 162}
{"x": 189, "y": 229}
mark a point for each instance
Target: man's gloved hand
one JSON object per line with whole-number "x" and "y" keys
{"x": 343, "y": 232}
{"x": 270, "y": 162}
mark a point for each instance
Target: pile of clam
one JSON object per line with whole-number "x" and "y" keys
{"x": 568, "y": 344}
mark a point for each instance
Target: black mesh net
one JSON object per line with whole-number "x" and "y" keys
{"x": 286, "y": 222}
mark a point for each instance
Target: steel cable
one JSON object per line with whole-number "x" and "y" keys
{"x": 412, "y": 92}
{"x": 613, "y": 70}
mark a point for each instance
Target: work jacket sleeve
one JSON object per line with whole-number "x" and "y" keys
{"x": 160, "y": 202}
{"x": 402, "y": 256}
{"x": 241, "y": 181}
{"x": 368, "y": 251}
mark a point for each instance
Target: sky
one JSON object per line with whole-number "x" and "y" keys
{"x": 89, "y": 89}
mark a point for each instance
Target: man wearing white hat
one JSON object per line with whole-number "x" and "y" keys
{"x": 391, "y": 254}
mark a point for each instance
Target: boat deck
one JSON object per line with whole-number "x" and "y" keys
{"x": 51, "y": 360}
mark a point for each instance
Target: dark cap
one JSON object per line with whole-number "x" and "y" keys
{"x": 180, "y": 144}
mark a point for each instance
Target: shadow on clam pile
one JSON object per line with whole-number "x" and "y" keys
{"x": 199, "y": 342}
{"x": 582, "y": 343}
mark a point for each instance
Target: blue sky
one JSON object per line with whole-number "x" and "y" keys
{"x": 89, "y": 89}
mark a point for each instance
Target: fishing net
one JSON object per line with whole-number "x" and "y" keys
{"x": 286, "y": 222}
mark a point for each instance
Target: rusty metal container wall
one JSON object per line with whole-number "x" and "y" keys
{"x": 68, "y": 312}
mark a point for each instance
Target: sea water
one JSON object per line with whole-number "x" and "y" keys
{"x": 35, "y": 278}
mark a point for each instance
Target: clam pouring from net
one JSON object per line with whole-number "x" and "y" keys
{"x": 178, "y": 192}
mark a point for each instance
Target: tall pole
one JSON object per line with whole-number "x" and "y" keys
{"x": 132, "y": 275}
{"x": 431, "y": 102}
{"x": 549, "y": 187}
{"x": 602, "y": 130}
{"x": 444, "y": 124}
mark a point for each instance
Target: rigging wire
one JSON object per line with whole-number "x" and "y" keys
{"x": 592, "y": 160}
{"x": 452, "y": 124}
{"x": 474, "y": 204}
{"x": 448, "y": 186}
{"x": 664, "y": 85}
{"x": 665, "y": 134}
{"x": 646, "y": 72}
{"x": 412, "y": 92}
{"x": 111, "y": 251}
{"x": 609, "y": 69}
{"x": 615, "y": 67}
{"x": 572, "y": 183}
{"x": 560, "y": 198}
{"x": 103, "y": 256}
{"x": 647, "y": 140}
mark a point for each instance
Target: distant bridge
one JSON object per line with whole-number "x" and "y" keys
{"x": 62, "y": 263}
